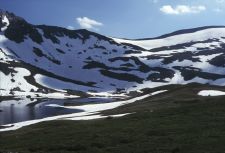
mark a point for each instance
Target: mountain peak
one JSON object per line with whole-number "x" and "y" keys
{"x": 7, "y": 14}
{"x": 3, "y": 12}
{"x": 12, "y": 18}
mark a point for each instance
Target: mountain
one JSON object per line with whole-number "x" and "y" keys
{"x": 40, "y": 60}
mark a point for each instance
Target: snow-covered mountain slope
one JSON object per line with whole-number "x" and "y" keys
{"x": 41, "y": 60}
{"x": 203, "y": 34}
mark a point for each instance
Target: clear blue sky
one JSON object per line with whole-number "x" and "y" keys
{"x": 121, "y": 18}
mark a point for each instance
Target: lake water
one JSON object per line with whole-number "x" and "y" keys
{"x": 13, "y": 111}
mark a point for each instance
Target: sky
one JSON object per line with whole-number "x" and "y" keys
{"x": 131, "y": 19}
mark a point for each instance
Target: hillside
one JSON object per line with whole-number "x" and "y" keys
{"x": 49, "y": 61}
{"x": 178, "y": 121}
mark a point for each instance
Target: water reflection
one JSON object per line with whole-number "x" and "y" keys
{"x": 12, "y": 111}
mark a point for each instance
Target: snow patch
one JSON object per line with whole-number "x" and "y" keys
{"x": 90, "y": 112}
{"x": 91, "y": 117}
{"x": 5, "y": 20}
{"x": 211, "y": 93}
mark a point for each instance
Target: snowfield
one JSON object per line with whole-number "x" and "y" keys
{"x": 62, "y": 61}
{"x": 177, "y": 39}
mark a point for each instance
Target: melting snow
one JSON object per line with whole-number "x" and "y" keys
{"x": 90, "y": 112}
{"x": 211, "y": 93}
